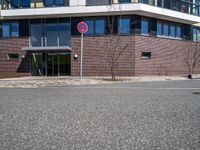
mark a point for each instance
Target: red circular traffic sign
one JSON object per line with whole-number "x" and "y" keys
{"x": 82, "y": 27}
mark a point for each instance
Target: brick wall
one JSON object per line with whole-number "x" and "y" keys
{"x": 167, "y": 56}
{"x": 96, "y": 61}
{"x": 20, "y": 65}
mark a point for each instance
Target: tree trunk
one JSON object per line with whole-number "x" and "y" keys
{"x": 113, "y": 72}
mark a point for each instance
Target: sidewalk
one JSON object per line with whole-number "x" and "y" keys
{"x": 35, "y": 82}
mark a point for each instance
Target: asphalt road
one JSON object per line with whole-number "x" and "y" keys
{"x": 148, "y": 116}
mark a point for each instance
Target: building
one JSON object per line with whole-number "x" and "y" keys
{"x": 40, "y": 37}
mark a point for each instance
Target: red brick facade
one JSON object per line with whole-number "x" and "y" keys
{"x": 96, "y": 60}
{"x": 14, "y": 45}
{"x": 166, "y": 56}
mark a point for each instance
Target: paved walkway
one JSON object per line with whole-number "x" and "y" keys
{"x": 35, "y": 82}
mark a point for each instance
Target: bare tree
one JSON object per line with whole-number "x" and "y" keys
{"x": 116, "y": 46}
{"x": 192, "y": 58}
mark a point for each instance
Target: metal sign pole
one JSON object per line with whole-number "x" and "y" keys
{"x": 82, "y": 28}
{"x": 81, "y": 69}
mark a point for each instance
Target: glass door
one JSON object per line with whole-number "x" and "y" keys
{"x": 52, "y": 64}
{"x": 64, "y": 64}
{"x": 36, "y": 64}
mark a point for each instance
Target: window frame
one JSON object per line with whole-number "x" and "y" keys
{"x": 12, "y": 58}
{"x": 148, "y": 56}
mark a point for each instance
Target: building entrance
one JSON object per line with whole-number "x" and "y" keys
{"x": 50, "y": 64}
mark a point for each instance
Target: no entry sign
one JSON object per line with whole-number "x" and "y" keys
{"x": 82, "y": 27}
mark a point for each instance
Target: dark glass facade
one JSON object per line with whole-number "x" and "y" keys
{"x": 50, "y": 32}
{"x": 58, "y": 31}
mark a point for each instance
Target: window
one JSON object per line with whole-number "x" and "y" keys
{"x": 198, "y": 35}
{"x": 97, "y": 2}
{"x": 146, "y": 55}
{"x": 172, "y": 30}
{"x": 50, "y": 3}
{"x": 124, "y": 26}
{"x": 5, "y": 30}
{"x": 64, "y": 34}
{"x": 23, "y": 28}
{"x": 50, "y": 32}
{"x": 12, "y": 56}
{"x": 15, "y": 3}
{"x": 10, "y": 29}
{"x": 168, "y": 29}
{"x": 159, "y": 28}
{"x": 124, "y": 1}
{"x": 100, "y": 26}
{"x": 165, "y": 29}
{"x": 194, "y": 34}
{"x": 15, "y": 29}
{"x": 95, "y": 26}
{"x": 36, "y": 35}
{"x": 25, "y": 3}
{"x": 59, "y": 2}
{"x": 178, "y": 31}
{"x": 144, "y": 1}
{"x": 90, "y": 24}
{"x": 20, "y": 3}
{"x": 145, "y": 26}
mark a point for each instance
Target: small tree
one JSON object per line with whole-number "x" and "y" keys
{"x": 116, "y": 46}
{"x": 192, "y": 58}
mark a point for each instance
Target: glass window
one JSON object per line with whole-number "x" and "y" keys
{"x": 51, "y": 34}
{"x": 165, "y": 29}
{"x": 48, "y": 2}
{"x": 159, "y": 28}
{"x": 144, "y": 1}
{"x": 197, "y": 8}
{"x": 64, "y": 34}
{"x": 25, "y": 3}
{"x": 194, "y": 34}
{"x": 90, "y": 24}
{"x": 159, "y": 3}
{"x": 124, "y": 1}
{"x": 15, "y": 29}
{"x": 198, "y": 35}
{"x": 145, "y": 26}
{"x": 15, "y": 3}
{"x": 59, "y": 2}
{"x": 124, "y": 26}
{"x": 167, "y": 4}
{"x": 5, "y": 29}
{"x": 178, "y": 31}
{"x": 13, "y": 56}
{"x": 97, "y": 2}
{"x": 36, "y": 34}
{"x": 100, "y": 27}
{"x": 172, "y": 30}
{"x": 146, "y": 55}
